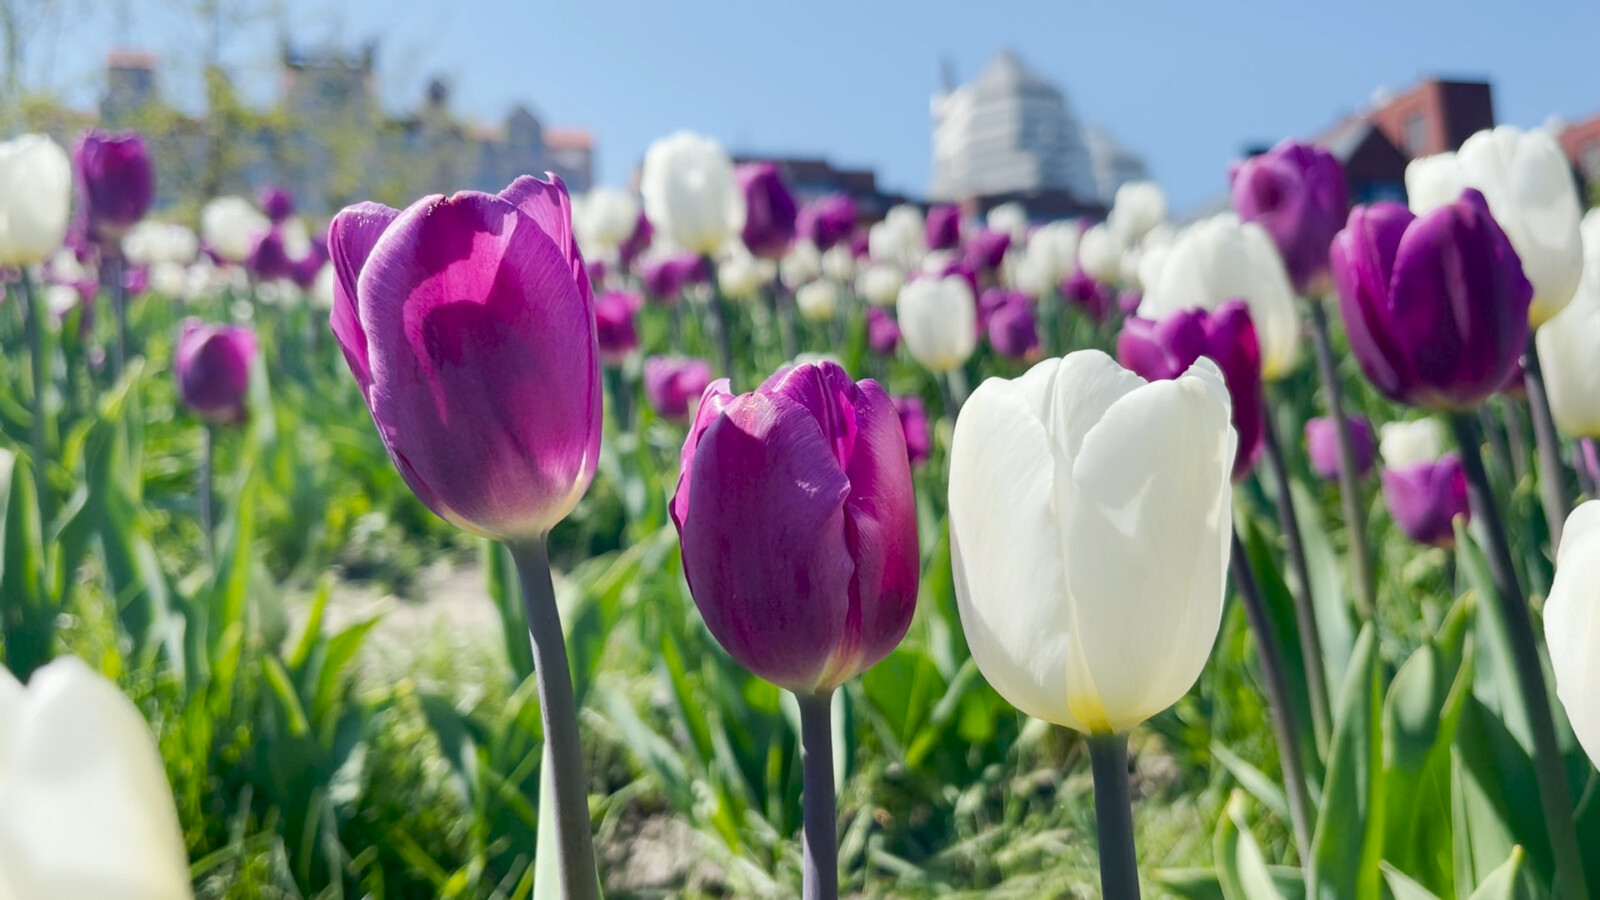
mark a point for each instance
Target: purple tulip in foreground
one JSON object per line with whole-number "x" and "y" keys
{"x": 672, "y": 383}
{"x": 770, "y": 210}
{"x": 1436, "y": 307}
{"x": 1322, "y": 445}
{"x": 1297, "y": 193}
{"x": 212, "y": 364}
{"x": 1159, "y": 351}
{"x": 1425, "y": 497}
{"x": 117, "y": 182}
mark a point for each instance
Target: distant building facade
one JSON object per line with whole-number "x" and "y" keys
{"x": 1433, "y": 116}
{"x": 1581, "y": 142}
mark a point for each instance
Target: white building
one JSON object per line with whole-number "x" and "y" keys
{"x": 1113, "y": 164}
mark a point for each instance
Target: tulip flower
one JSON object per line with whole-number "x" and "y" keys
{"x": 665, "y": 278}
{"x": 150, "y": 242}
{"x": 615, "y": 334}
{"x": 839, "y": 263}
{"x": 942, "y": 227}
{"x": 770, "y": 211}
{"x": 1137, "y": 207}
{"x": 987, "y": 250}
{"x": 1425, "y": 497}
{"x": 879, "y": 284}
{"x": 1090, "y": 521}
{"x": 213, "y": 363}
{"x": 914, "y": 422}
{"x": 1297, "y": 193}
{"x": 938, "y": 322}
{"x": 117, "y": 180}
{"x": 1100, "y": 252}
{"x": 828, "y": 220}
{"x": 899, "y": 238}
{"x": 1013, "y": 332}
{"x": 637, "y": 242}
{"x": 1049, "y": 256}
{"x": 1404, "y": 443}
{"x": 1569, "y": 354}
{"x": 1322, "y": 445}
{"x": 1010, "y": 219}
{"x": 690, "y": 193}
{"x": 801, "y": 265}
{"x": 35, "y": 199}
{"x": 673, "y": 383}
{"x": 231, "y": 228}
{"x": 1166, "y": 349}
{"x": 1094, "y": 298}
{"x": 742, "y": 276}
{"x": 85, "y": 808}
{"x": 277, "y": 202}
{"x": 1436, "y": 307}
{"x": 1527, "y": 182}
{"x": 883, "y": 332}
{"x": 606, "y": 219}
{"x": 818, "y": 300}
{"x": 1572, "y": 625}
{"x": 1221, "y": 259}
{"x": 269, "y": 259}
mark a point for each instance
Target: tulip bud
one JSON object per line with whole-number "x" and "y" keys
{"x": 277, "y": 202}
{"x": 1436, "y": 307}
{"x": 117, "y": 181}
{"x": 1090, "y": 519}
{"x": 213, "y": 364}
{"x": 35, "y": 199}
{"x": 914, "y": 423}
{"x": 769, "y": 221}
{"x": 987, "y": 250}
{"x": 1049, "y": 257}
{"x": 883, "y": 332}
{"x": 1404, "y": 443}
{"x": 615, "y": 335}
{"x": 690, "y": 192}
{"x": 87, "y": 810}
{"x": 1297, "y": 193}
{"x": 609, "y": 218}
{"x": 637, "y": 242}
{"x": 1094, "y": 298}
{"x": 1527, "y": 183}
{"x": 943, "y": 227}
{"x": 1010, "y": 219}
{"x": 1572, "y": 625}
{"x": 827, "y": 220}
{"x": 1137, "y": 207}
{"x": 269, "y": 259}
{"x": 1425, "y": 497}
{"x": 1009, "y": 323}
{"x": 672, "y": 383}
{"x": 149, "y": 243}
{"x": 879, "y": 284}
{"x": 469, "y": 324}
{"x": 231, "y": 228}
{"x": 798, "y": 524}
{"x": 664, "y": 279}
{"x": 899, "y": 238}
{"x": 1100, "y": 253}
{"x": 1165, "y": 349}
{"x": 1322, "y": 445}
{"x": 742, "y": 276}
{"x": 938, "y": 322}
{"x": 1569, "y": 352}
{"x": 818, "y": 300}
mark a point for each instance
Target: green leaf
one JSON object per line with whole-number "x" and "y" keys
{"x": 1494, "y": 800}
{"x": 1241, "y": 869}
{"x": 27, "y": 614}
{"x": 1348, "y": 842}
{"x": 1403, "y": 888}
{"x": 1280, "y": 607}
{"x": 1512, "y": 880}
{"x": 1252, "y": 779}
{"x": 1335, "y": 620}
{"x": 288, "y": 700}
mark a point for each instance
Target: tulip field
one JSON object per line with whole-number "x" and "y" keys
{"x": 707, "y": 541}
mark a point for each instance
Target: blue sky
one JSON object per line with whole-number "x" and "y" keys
{"x": 1185, "y": 84}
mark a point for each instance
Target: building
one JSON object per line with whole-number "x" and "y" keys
{"x": 1374, "y": 168}
{"x": 1113, "y": 164}
{"x": 1581, "y": 141}
{"x": 1009, "y": 132}
{"x": 1434, "y": 116}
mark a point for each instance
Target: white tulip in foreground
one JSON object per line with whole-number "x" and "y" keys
{"x": 35, "y": 198}
{"x": 1090, "y": 521}
{"x": 1569, "y": 353}
{"x": 689, "y": 192}
{"x": 938, "y": 321}
{"x": 85, "y": 809}
{"x": 1528, "y": 183}
{"x": 1572, "y": 625}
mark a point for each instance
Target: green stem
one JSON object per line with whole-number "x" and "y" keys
{"x": 558, "y": 710}
{"x": 1350, "y": 491}
{"x": 1276, "y": 685}
{"x": 1552, "y": 474}
{"x": 1113, "y": 808}
{"x": 1555, "y": 796}
{"x": 819, "y": 827}
{"x": 207, "y": 478}
{"x": 1580, "y": 465}
{"x": 38, "y": 352}
{"x": 720, "y": 320}
{"x": 119, "y": 314}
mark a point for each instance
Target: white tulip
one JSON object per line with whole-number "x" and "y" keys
{"x": 1220, "y": 259}
{"x": 1100, "y": 253}
{"x": 322, "y": 289}
{"x": 690, "y": 194}
{"x": 35, "y": 199}
{"x": 741, "y": 276}
{"x": 151, "y": 242}
{"x": 1049, "y": 256}
{"x": 879, "y": 284}
{"x": 60, "y": 299}
{"x": 839, "y": 263}
{"x": 1589, "y": 231}
{"x": 231, "y": 226}
{"x": 171, "y": 279}
{"x": 1090, "y": 521}
{"x": 819, "y": 300}
{"x": 1138, "y": 207}
{"x": 1569, "y": 355}
{"x": 1527, "y": 181}
{"x": 1406, "y": 443}
{"x": 1572, "y": 625}
{"x": 801, "y": 265}
{"x": 900, "y": 238}
{"x": 938, "y": 321}
{"x": 1010, "y": 218}
{"x": 604, "y": 219}
{"x": 85, "y": 809}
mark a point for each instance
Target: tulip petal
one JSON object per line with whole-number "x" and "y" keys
{"x": 1572, "y": 625}
{"x": 548, "y": 204}
{"x": 351, "y": 237}
{"x": 1148, "y": 528}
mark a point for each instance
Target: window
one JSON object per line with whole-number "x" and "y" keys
{"x": 1416, "y": 134}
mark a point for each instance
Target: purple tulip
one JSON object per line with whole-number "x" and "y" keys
{"x": 1092, "y": 297}
{"x": 961, "y": 267}
{"x": 769, "y": 221}
{"x": 613, "y": 325}
{"x": 117, "y": 181}
{"x": 469, "y": 324}
{"x": 1297, "y": 193}
{"x": 828, "y": 220}
{"x": 304, "y": 271}
{"x": 1322, "y": 445}
{"x": 1009, "y": 322}
{"x": 860, "y": 243}
{"x": 1424, "y": 498}
{"x": 135, "y": 280}
{"x": 665, "y": 279}
{"x": 212, "y": 364}
{"x": 1128, "y": 301}
{"x": 883, "y": 332}
{"x": 1159, "y": 351}
{"x": 638, "y": 242}
{"x": 798, "y": 525}
{"x": 672, "y": 383}
{"x": 270, "y": 261}
{"x": 1436, "y": 307}
{"x": 914, "y": 422}
{"x": 987, "y": 250}
{"x": 597, "y": 273}
{"x": 278, "y": 203}
{"x": 943, "y": 227}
